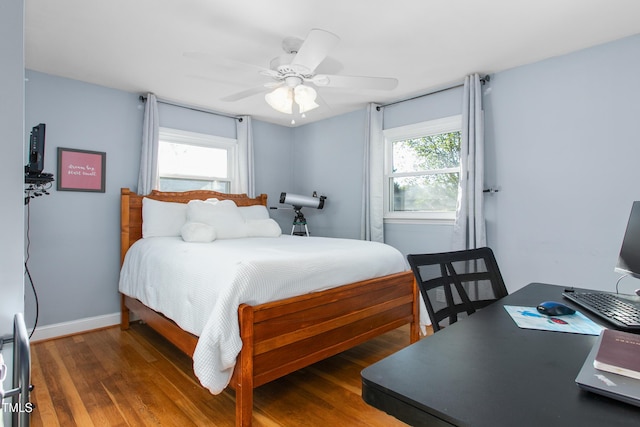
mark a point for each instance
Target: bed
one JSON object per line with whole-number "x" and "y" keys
{"x": 280, "y": 336}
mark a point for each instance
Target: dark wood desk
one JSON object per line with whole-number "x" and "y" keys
{"x": 485, "y": 371}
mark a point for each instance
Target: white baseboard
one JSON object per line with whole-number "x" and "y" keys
{"x": 75, "y": 326}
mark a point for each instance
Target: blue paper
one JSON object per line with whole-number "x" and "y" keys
{"x": 530, "y": 318}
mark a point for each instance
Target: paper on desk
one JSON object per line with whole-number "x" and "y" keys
{"x": 529, "y": 318}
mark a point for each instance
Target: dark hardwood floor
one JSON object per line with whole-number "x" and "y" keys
{"x": 136, "y": 378}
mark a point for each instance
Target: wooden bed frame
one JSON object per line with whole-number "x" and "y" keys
{"x": 283, "y": 336}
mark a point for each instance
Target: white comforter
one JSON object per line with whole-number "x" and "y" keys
{"x": 201, "y": 285}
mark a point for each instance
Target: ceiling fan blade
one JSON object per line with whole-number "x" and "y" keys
{"x": 227, "y": 63}
{"x": 273, "y": 85}
{"x": 244, "y": 94}
{"x": 314, "y": 50}
{"x": 355, "y": 82}
{"x": 270, "y": 73}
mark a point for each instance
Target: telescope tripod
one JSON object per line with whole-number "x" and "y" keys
{"x": 299, "y": 221}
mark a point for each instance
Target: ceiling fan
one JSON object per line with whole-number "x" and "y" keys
{"x": 293, "y": 75}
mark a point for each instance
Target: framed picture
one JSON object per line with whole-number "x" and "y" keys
{"x": 81, "y": 170}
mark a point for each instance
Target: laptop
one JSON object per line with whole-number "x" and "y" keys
{"x": 615, "y": 386}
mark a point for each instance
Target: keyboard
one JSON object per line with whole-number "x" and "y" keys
{"x": 623, "y": 311}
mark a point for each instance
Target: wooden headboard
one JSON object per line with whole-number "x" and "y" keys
{"x": 131, "y": 209}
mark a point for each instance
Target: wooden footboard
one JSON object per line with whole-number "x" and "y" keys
{"x": 283, "y": 336}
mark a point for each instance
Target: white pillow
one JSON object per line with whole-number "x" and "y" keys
{"x": 222, "y": 215}
{"x": 198, "y": 232}
{"x": 263, "y": 228}
{"x": 254, "y": 212}
{"x": 162, "y": 219}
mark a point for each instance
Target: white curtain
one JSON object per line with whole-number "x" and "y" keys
{"x": 372, "y": 190}
{"x": 469, "y": 231}
{"x": 245, "y": 169}
{"x": 148, "y": 175}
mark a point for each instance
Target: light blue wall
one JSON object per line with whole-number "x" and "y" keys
{"x": 12, "y": 140}
{"x": 444, "y": 103}
{"x": 273, "y": 154}
{"x": 563, "y": 137}
{"x": 328, "y": 158}
{"x": 74, "y": 236}
{"x": 175, "y": 117}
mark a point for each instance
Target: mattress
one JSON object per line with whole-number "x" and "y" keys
{"x": 200, "y": 285}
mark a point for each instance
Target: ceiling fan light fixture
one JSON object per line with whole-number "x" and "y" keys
{"x": 281, "y": 99}
{"x": 305, "y": 97}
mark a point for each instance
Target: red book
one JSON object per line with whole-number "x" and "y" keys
{"x": 619, "y": 353}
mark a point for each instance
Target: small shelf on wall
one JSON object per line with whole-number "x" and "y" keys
{"x": 37, "y": 185}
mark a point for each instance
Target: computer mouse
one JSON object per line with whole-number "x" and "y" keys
{"x": 552, "y": 308}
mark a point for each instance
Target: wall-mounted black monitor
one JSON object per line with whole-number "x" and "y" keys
{"x": 36, "y": 150}
{"x": 629, "y": 259}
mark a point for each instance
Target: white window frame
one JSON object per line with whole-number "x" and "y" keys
{"x": 416, "y": 130}
{"x": 178, "y": 136}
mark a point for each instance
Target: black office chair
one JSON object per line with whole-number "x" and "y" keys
{"x": 457, "y": 283}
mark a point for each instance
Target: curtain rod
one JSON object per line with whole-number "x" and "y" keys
{"x": 483, "y": 80}
{"x": 188, "y": 107}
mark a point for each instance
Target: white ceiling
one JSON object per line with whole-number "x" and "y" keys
{"x": 196, "y": 52}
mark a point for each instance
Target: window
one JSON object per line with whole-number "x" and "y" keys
{"x": 193, "y": 161}
{"x": 422, "y": 170}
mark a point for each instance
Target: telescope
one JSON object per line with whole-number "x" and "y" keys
{"x": 298, "y": 202}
